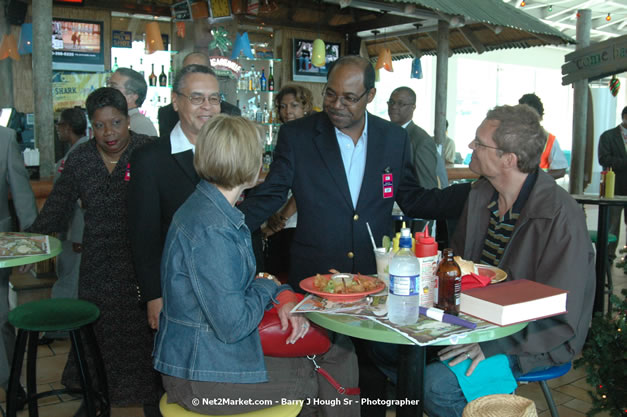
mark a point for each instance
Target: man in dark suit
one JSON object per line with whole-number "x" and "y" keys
{"x": 163, "y": 176}
{"x": 168, "y": 117}
{"x": 401, "y": 107}
{"x": 613, "y": 154}
{"x": 345, "y": 167}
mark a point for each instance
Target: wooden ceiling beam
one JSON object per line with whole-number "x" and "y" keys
{"x": 413, "y": 49}
{"x": 374, "y": 22}
{"x": 472, "y": 39}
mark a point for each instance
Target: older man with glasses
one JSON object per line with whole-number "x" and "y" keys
{"x": 163, "y": 176}
{"x": 133, "y": 86}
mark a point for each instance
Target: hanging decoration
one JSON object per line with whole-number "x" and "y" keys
{"x": 242, "y": 44}
{"x": 180, "y": 29}
{"x": 385, "y": 60}
{"x": 416, "y": 69}
{"x": 154, "y": 42}
{"x": 220, "y": 39}
{"x": 26, "y": 39}
{"x": 8, "y": 48}
{"x": 319, "y": 54}
{"x": 614, "y": 85}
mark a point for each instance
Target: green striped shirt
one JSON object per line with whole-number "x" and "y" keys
{"x": 500, "y": 229}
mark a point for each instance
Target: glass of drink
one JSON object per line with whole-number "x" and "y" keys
{"x": 382, "y": 256}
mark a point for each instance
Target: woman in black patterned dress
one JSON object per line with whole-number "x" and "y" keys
{"x": 97, "y": 173}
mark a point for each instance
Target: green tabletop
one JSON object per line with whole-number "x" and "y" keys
{"x": 55, "y": 249}
{"x": 363, "y": 328}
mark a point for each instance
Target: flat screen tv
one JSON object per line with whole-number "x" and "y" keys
{"x": 77, "y": 45}
{"x": 302, "y": 69}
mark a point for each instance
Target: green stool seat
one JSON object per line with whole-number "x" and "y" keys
{"x": 593, "y": 237}
{"x": 55, "y": 314}
{"x": 59, "y": 314}
{"x": 175, "y": 410}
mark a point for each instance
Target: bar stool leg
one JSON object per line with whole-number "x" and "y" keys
{"x": 31, "y": 374}
{"x": 16, "y": 371}
{"x": 103, "y": 386}
{"x": 86, "y": 382}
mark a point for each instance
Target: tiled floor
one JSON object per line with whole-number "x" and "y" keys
{"x": 569, "y": 392}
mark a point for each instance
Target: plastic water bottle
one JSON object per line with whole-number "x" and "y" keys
{"x": 404, "y": 293}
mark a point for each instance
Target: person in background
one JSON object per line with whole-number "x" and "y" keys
{"x": 97, "y": 173}
{"x": 447, "y": 150}
{"x": 553, "y": 159}
{"x": 613, "y": 154}
{"x": 213, "y": 304}
{"x": 15, "y": 181}
{"x": 519, "y": 219}
{"x": 164, "y": 177}
{"x": 133, "y": 86}
{"x": 291, "y": 102}
{"x": 401, "y": 107}
{"x": 71, "y": 129}
{"x": 168, "y": 116}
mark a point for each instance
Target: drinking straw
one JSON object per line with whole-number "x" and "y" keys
{"x": 374, "y": 245}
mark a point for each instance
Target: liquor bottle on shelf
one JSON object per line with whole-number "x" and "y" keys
{"x": 263, "y": 82}
{"x": 267, "y": 154}
{"x": 266, "y": 115}
{"x": 171, "y": 74}
{"x": 114, "y": 68}
{"x": 271, "y": 82}
{"x": 163, "y": 79}
{"x": 152, "y": 78}
{"x": 141, "y": 67}
{"x": 251, "y": 78}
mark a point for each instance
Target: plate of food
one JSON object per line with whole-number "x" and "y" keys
{"x": 342, "y": 287}
{"x": 492, "y": 272}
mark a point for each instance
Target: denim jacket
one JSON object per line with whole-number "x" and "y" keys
{"x": 212, "y": 304}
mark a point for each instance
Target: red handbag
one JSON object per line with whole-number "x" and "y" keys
{"x": 315, "y": 342}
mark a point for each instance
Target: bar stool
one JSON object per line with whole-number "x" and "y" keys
{"x": 58, "y": 314}
{"x": 542, "y": 377}
{"x": 175, "y": 410}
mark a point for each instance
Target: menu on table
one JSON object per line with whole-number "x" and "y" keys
{"x": 21, "y": 244}
{"x": 425, "y": 332}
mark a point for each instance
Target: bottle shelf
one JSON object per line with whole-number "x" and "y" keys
{"x": 243, "y": 58}
{"x": 255, "y": 91}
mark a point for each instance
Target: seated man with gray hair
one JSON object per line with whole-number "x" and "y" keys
{"x": 516, "y": 218}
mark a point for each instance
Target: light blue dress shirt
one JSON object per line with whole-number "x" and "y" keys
{"x": 354, "y": 158}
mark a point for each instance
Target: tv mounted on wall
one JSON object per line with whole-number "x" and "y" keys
{"x": 302, "y": 69}
{"x": 77, "y": 45}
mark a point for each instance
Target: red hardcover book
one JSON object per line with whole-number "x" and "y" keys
{"x": 513, "y": 302}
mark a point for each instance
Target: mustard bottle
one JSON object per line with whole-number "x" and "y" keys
{"x": 610, "y": 180}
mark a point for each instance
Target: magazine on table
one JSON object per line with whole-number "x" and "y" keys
{"x": 425, "y": 332}
{"x": 23, "y": 244}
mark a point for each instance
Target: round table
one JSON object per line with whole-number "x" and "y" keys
{"x": 55, "y": 249}
{"x": 411, "y": 362}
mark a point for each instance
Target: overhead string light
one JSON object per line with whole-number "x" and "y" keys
{"x": 609, "y": 17}
{"x": 523, "y": 3}
{"x": 550, "y": 8}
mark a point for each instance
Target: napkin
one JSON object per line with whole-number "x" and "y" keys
{"x": 473, "y": 280}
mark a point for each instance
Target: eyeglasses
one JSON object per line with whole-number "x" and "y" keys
{"x": 476, "y": 142}
{"x": 198, "y": 99}
{"x": 392, "y": 103}
{"x": 345, "y": 100}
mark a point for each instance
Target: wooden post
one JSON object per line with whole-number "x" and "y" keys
{"x": 441, "y": 82}
{"x": 42, "y": 85}
{"x": 6, "y": 65}
{"x": 580, "y": 110}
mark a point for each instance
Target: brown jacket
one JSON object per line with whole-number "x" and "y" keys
{"x": 550, "y": 244}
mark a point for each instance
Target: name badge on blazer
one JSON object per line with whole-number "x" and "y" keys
{"x": 388, "y": 185}
{"x": 127, "y": 174}
{"x": 61, "y": 166}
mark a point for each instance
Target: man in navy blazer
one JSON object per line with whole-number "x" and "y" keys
{"x": 345, "y": 168}
{"x": 613, "y": 154}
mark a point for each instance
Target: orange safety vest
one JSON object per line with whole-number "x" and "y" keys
{"x": 544, "y": 158}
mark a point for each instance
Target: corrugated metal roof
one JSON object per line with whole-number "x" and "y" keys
{"x": 494, "y": 12}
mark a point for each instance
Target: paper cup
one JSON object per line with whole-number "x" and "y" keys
{"x": 383, "y": 264}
